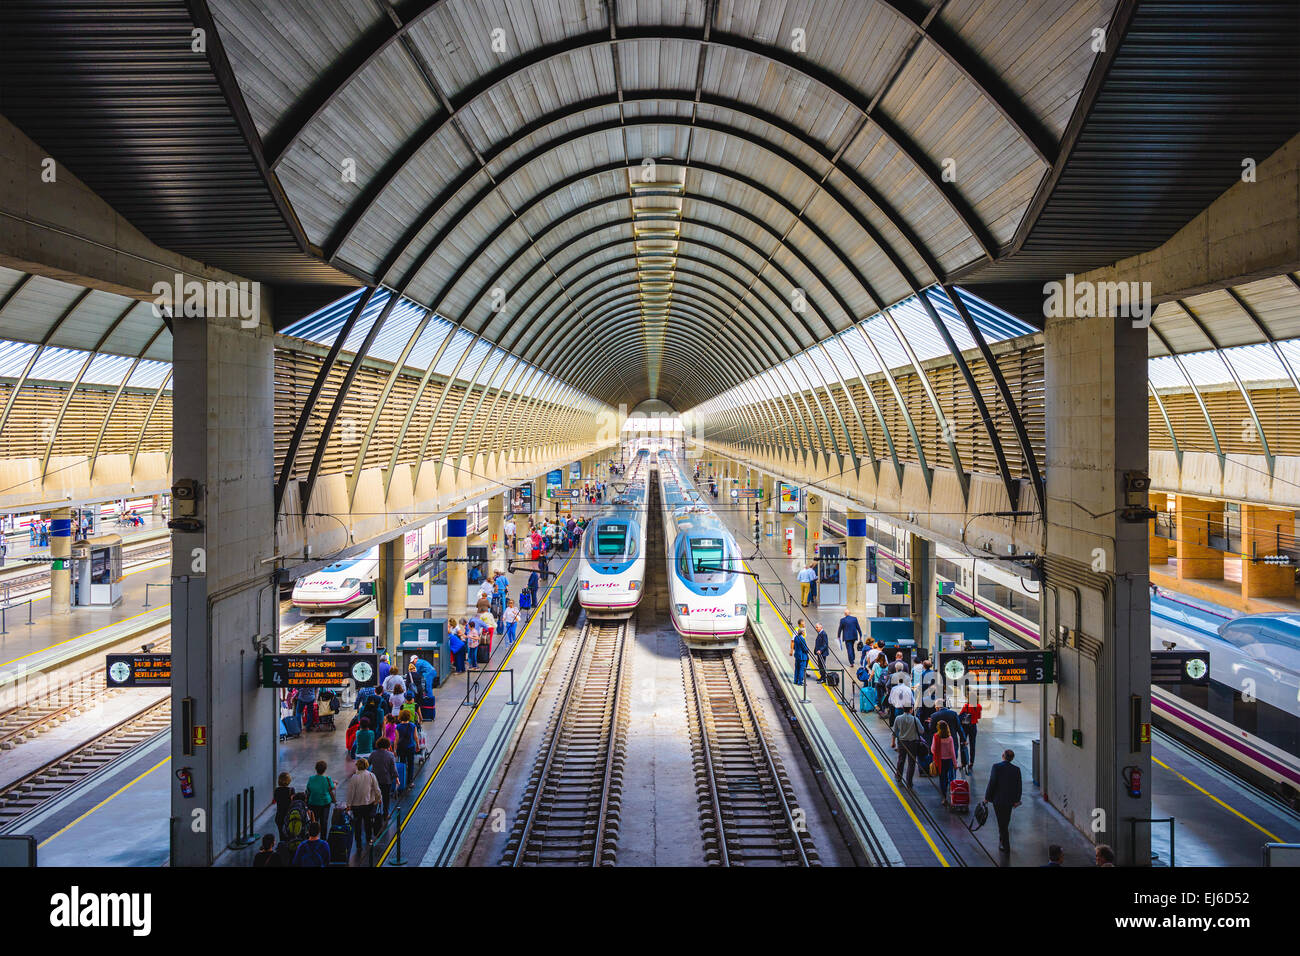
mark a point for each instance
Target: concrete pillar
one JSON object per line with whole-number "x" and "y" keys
{"x": 156, "y": 509}
{"x": 922, "y": 555}
{"x": 457, "y": 569}
{"x": 497, "y": 506}
{"x": 1157, "y": 547}
{"x": 816, "y": 513}
{"x": 61, "y": 568}
{"x": 390, "y": 591}
{"x": 223, "y": 607}
{"x": 1260, "y": 530}
{"x": 1096, "y": 569}
{"x": 1197, "y": 519}
{"x": 855, "y": 570}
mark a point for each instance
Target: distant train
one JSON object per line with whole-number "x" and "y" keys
{"x": 611, "y": 568}
{"x": 335, "y": 590}
{"x": 708, "y": 600}
{"x": 1248, "y": 717}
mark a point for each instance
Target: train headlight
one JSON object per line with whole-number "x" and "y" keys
{"x": 585, "y": 584}
{"x": 741, "y": 609}
{"x": 683, "y": 610}
{"x": 634, "y": 585}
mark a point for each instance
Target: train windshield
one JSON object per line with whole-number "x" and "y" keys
{"x": 610, "y": 541}
{"x": 707, "y": 556}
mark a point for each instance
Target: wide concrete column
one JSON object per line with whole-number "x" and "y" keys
{"x": 61, "y": 567}
{"x": 816, "y": 514}
{"x": 390, "y": 591}
{"x": 855, "y": 570}
{"x": 1197, "y": 519}
{"x": 156, "y": 508}
{"x": 457, "y": 569}
{"x": 922, "y": 555}
{"x": 1157, "y": 547}
{"x": 1096, "y": 577}
{"x": 497, "y": 506}
{"x": 1261, "y": 530}
{"x": 223, "y": 598}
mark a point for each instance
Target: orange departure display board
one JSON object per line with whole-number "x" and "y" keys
{"x": 138, "y": 670}
{"x": 998, "y": 667}
{"x": 319, "y": 670}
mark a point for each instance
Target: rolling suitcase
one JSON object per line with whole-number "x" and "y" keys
{"x": 833, "y": 679}
{"x": 959, "y": 795}
{"x": 401, "y": 775}
{"x": 428, "y": 709}
{"x": 340, "y": 838}
{"x": 292, "y": 726}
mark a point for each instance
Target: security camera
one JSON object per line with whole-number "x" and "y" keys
{"x": 1169, "y": 645}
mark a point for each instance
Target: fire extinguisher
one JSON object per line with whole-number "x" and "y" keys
{"x": 187, "y": 782}
{"x": 1133, "y": 778}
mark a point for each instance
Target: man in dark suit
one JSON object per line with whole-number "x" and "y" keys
{"x": 1003, "y": 792}
{"x": 849, "y": 632}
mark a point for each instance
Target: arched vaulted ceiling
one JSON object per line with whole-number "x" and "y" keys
{"x": 669, "y": 196}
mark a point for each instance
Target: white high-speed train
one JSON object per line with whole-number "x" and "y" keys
{"x": 708, "y": 600}
{"x": 1257, "y": 733}
{"x": 335, "y": 590}
{"x": 611, "y": 569}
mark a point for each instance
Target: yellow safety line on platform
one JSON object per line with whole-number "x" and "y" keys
{"x": 1194, "y": 786}
{"x": 107, "y": 799}
{"x": 125, "y": 620}
{"x": 474, "y": 713}
{"x": 885, "y": 775}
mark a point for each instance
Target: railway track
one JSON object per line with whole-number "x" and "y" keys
{"x": 298, "y": 636}
{"x": 29, "y": 793}
{"x": 68, "y": 697}
{"x": 747, "y": 805}
{"x": 569, "y": 815}
{"x": 20, "y": 585}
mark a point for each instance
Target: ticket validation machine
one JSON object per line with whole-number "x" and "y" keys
{"x": 97, "y": 571}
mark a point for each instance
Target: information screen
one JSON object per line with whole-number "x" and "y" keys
{"x": 1180, "y": 667}
{"x": 787, "y": 498}
{"x": 998, "y": 667}
{"x": 319, "y": 670}
{"x": 139, "y": 670}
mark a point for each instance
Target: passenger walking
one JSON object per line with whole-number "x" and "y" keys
{"x": 849, "y": 631}
{"x": 907, "y": 740}
{"x": 267, "y": 855}
{"x": 1003, "y": 791}
{"x": 320, "y": 797}
{"x": 944, "y": 759}
{"x": 384, "y": 766}
{"x": 800, "y": 656}
{"x": 471, "y": 644}
{"x": 533, "y": 581}
{"x": 822, "y": 648}
{"x": 363, "y": 796}
{"x": 408, "y": 741}
{"x": 283, "y": 796}
{"x": 313, "y": 851}
{"x": 510, "y": 617}
{"x": 812, "y": 584}
{"x": 969, "y": 718}
{"x": 805, "y": 578}
{"x": 900, "y": 691}
{"x": 365, "y": 740}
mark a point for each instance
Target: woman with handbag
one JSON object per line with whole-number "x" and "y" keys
{"x": 943, "y": 758}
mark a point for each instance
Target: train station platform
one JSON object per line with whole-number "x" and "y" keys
{"x": 28, "y": 647}
{"x": 1218, "y": 819}
{"x": 21, "y": 550}
{"x": 477, "y": 713}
